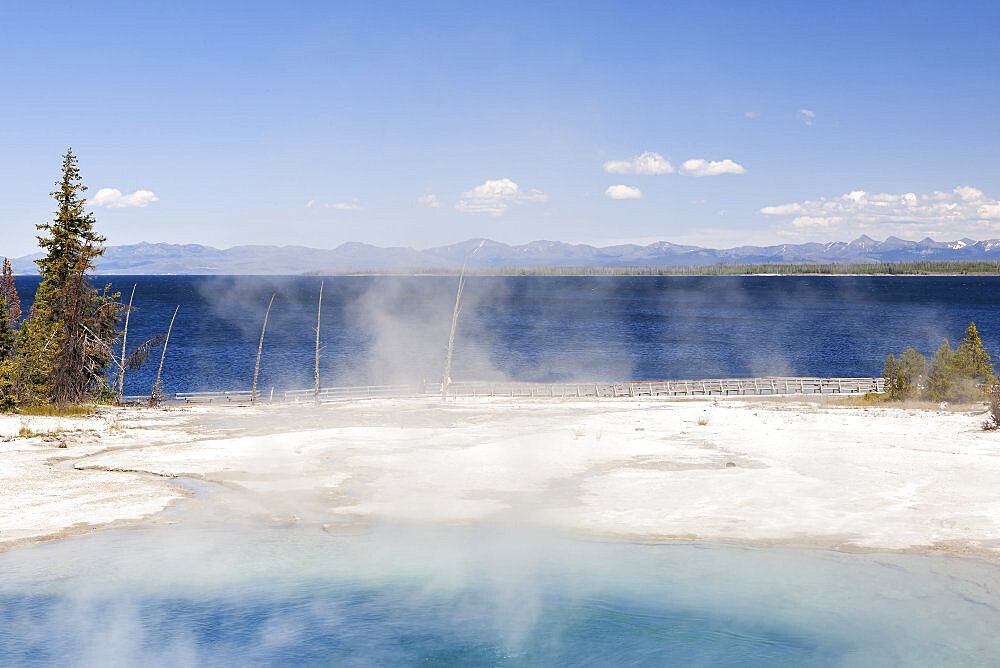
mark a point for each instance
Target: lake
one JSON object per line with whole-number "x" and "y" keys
{"x": 395, "y": 329}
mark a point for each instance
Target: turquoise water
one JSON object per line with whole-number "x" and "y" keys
{"x": 229, "y": 592}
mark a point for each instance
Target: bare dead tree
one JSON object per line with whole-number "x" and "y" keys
{"x": 319, "y": 310}
{"x": 994, "y": 399}
{"x": 120, "y": 384}
{"x": 260, "y": 350}
{"x": 157, "y": 393}
{"x": 446, "y": 376}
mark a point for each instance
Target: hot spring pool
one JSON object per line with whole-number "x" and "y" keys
{"x": 228, "y": 593}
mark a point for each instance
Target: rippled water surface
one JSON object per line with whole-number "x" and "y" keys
{"x": 386, "y": 330}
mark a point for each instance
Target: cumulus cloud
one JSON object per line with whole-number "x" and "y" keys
{"x": 699, "y": 167}
{"x": 807, "y": 116}
{"x": 648, "y": 163}
{"x": 430, "y": 201}
{"x": 623, "y": 192}
{"x": 927, "y": 214}
{"x": 493, "y": 197}
{"x": 112, "y": 198}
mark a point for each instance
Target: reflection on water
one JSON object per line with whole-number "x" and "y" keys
{"x": 224, "y": 593}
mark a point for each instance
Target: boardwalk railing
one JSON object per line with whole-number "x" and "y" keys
{"x": 651, "y": 388}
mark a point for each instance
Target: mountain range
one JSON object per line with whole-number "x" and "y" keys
{"x": 193, "y": 259}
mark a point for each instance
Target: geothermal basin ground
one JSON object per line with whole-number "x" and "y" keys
{"x": 769, "y": 471}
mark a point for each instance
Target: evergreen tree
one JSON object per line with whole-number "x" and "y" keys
{"x": 941, "y": 378}
{"x": 6, "y": 334}
{"x": 913, "y": 366}
{"x": 904, "y": 375}
{"x": 64, "y": 345}
{"x": 972, "y": 359}
{"x": 891, "y": 374}
{"x": 10, "y": 311}
{"x": 8, "y": 293}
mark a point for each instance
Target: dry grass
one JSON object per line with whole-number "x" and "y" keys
{"x": 50, "y": 410}
{"x": 864, "y": 400}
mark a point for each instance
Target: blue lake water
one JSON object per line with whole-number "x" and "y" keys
{"x": 385, "y": 329}
{"x": 235, "y": 594}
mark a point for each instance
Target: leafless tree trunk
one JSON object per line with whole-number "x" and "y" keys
{"x": 121, "y": 367}
{"x": 319, "y": 310}
{"x": 157, "y": 393}
{"x": 446, "y": 377}
{"x": 260, "y": 350}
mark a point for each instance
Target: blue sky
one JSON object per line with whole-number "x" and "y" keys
{"x": 317, "y": 123}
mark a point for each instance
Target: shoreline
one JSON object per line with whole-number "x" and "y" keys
{"x": 620, "y": 470}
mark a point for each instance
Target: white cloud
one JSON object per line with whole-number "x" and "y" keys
{"x": 310, "y": 204}
{"x": 961, "y": 210}
{"x": 750, "y": 114}
{"x": 807, "y": 116}
{"x": 494, "y": 196}
{"x": 623, "y": 192}
{"x": 431, "y": 201}
{"x": 648, "y": 163}
{"x": 699, "y": 167}
{"x": 343, "y": 206}
{"x": 113, "y": 198}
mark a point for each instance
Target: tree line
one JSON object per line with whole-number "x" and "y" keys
{"x": 914, "y": 268}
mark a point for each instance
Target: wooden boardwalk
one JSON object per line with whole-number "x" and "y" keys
{"x": 603, "y": 390}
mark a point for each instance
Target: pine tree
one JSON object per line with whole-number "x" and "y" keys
{"x": 8, "y": 371}
{"x": 903, "y": 375}
{"x": 65, "y": 344}
{"x": 891, "y": 374}
{"x": 6, "y": 334}
{"x": 913, "y": 371}
{"x": 8, "y": 293}
{"x": 972, "y": 358}
{"x": 941, "y": 379}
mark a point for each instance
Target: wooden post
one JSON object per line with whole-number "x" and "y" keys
{"x": 260, "y": 350}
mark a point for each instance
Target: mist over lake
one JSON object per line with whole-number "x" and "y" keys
{"x": 546, "y": 329}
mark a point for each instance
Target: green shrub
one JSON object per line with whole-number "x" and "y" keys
{"x": 8, "y": 388}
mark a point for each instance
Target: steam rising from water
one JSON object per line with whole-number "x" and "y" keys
{"x": 215, "y": 593}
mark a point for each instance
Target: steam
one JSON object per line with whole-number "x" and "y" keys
{"x": 208, "y": 593}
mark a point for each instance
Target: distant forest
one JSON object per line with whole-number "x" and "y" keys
{"x": 864, "y": 269}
